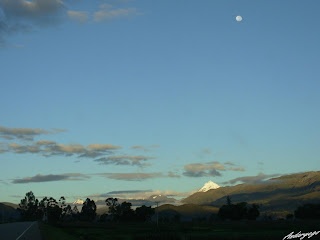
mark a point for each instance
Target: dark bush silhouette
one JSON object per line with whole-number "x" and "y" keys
{"x": 125, "y": 212}
{"x": 253, "y": 212}
{"x": 289, "y": 216}
{"x": 103, "y": 217}
{"x": 308, "y": 211}
{"x": 238, "y": 211}
{"x": 144, "y": 213}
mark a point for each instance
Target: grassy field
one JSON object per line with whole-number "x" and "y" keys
{"x": 49, "y": 232}
{"x": 178, "y": 231}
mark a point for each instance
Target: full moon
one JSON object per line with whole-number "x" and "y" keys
{"x": 238, "y": 18}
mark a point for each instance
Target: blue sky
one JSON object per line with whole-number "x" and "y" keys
{"x": 155, "y": 96}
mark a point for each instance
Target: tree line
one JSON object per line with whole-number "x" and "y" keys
{"x": 50, "y": 210}
{"x": 238, "y": 211}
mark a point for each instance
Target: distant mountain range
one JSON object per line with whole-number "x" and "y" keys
{"x": 278, "y": 195}
{"x": 150, "y": 201}
{"x": 283, "y": 193}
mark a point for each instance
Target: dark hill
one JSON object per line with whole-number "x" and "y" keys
{"x": 283, "y": 193}
{"x": 8, "y": 212}
{"x": 186, "y": 212}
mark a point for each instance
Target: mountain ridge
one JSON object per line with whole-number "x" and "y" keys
{"x": 285, "y": 192}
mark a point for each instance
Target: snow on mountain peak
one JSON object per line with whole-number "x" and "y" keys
{"x": 79, "y": 201}
{"x": 208, "y": 186}
{"x": 156, "y": 196}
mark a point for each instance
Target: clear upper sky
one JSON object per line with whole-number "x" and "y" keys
{"x": 155, "y": 96}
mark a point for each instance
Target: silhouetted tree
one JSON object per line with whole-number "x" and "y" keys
{"x": 120, "y": 212}
{"x": 28, "y": 207}
{"x": 51, "y": 209}
{"x": 66, "y": 210}
{"x": 67, "y": 214}
{"x": 113, "y": 204}
{"x": 75, "y": 213}
{"x": 308, "y": 211}
{"x": 125, "y": 212}
{"x": 62, "y": 202}
{"x": 228, "y": 201}
{"x": 88, "y": 211}
{"x": 144, "y": 213}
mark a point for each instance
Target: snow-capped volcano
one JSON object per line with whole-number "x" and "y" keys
{"x": 79, "y": 201}
{"x": 208, "y": 186}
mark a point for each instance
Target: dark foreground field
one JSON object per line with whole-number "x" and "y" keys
{"x": 183, "y": 231}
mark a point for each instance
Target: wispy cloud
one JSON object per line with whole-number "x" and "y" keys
{"x": 142, "y": 194}
{"x": 25, "y": 16}
{"x": 212, "y": 169}
{"x": 59, "y": 130}
{"x": 17, "y": 148}
{"x": 50, "y": 148}
{"x": 229, "y": 163}
{"x": 137, "y": 176}
{"x": 23, "y": 133}
{"x": 102, "y": 147}
{"x": 260, "y": 178}
{"x": 155, "y": 146}
{"x": 17, "y": 196}
{"x": 173, "y": 175}
{"x": 4, "y": 182}
{"x": 78, "y": 16}
{"x": 51, "y": 178}
{"x": 125, "y": 194}
{"x": 238, "y": 169}
{"x": 131, "y": 176}
{"x": 3, "y": 147}
{"x": 45, "y": 142}
{"x": 37, "y": 11}
{"x": 108, "y": 12}
{"x": 128, "y": 191}
{"x": 138, "y": 147}
{"x": 125, "y": 160}
{"x": 57, "y": 149}
{"x": 7, "y": 137}
{"x": 91, "y": 151}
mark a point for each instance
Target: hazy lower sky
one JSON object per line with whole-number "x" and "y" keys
{"x": 143, "y": 97}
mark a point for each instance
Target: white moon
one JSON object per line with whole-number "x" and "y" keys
{"x": 238, "y": 18}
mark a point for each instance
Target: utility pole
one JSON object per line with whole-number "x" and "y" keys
{"x": 157, "y": 214}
